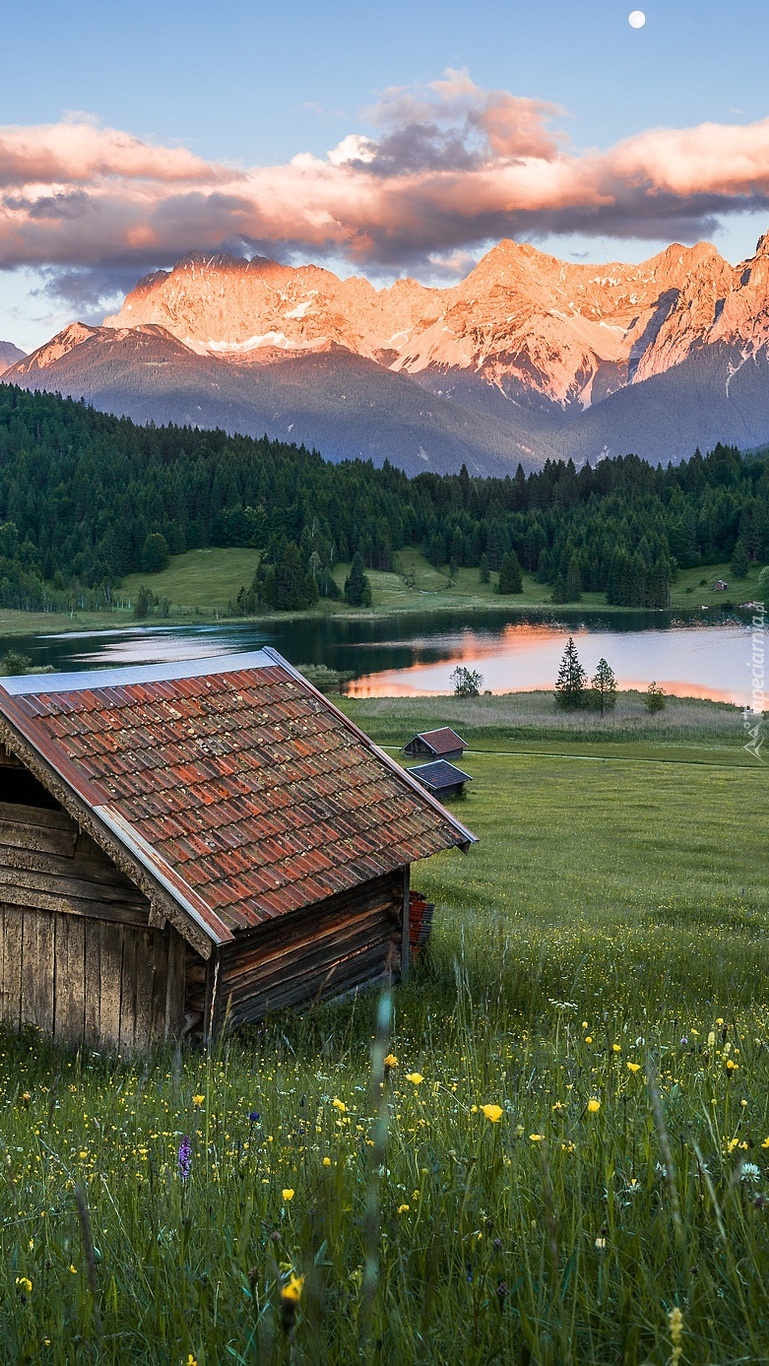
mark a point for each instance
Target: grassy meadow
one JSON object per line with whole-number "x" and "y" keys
{"x": 564, "y": 1158}
{"x": 205, "y": 584}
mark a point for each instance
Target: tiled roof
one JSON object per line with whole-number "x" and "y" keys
{"x": 439, "y": 774}
{"x": 442, "y": 741}
{"x": 240, "y": 787}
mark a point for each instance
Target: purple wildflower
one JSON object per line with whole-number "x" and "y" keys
{"x": 254, "y": 1116}
{"x": 184, "y": 1159}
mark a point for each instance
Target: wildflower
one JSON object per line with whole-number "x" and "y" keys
{"x": 288, "y": 1193}
{"x": 585, "y": 1024}
{"x": 73, "y": 1268}
{"x": 568, "y": 1148}
{"x": 634, "y": 1067}
{"x": 559, "y": 1105}
{"x": 191, "y": 1360}
{"x": 749, "y": 1172}
{"x": 676, "y": 1323}
{"x": 537, "y": 1138}
{"x": 404, "y": 1209}
{"x": 24, "y": 1284}
{"x": 731, "y": 1065}
{"x": 390, "y": 1062}
{"x": 588, "y": 1038}
{"x": 198, "y": 1100}
{"x": 593, "y": 1106}
{"x": 492, "y": 1112}
{"x": 616, "y": 1048}
{"x": 292, "y": 1290}
{"x": 184, "y": 1158}
{"x": 600, "y": 1243}
{"x": 253, "y": 1116}
{"x": 339, "y": 1105}
{"x": 414, "y": 1077}
{"x": 327, "y": 1162}
{"x": 765, "y": 1143}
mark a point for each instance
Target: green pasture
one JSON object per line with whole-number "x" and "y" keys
{"x": 205, "y": 583}
{"x": 596, "y": 980}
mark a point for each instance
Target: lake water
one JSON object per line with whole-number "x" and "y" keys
{"x": 415, "y": 653}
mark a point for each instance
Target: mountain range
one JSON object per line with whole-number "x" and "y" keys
{"x": 527, "y": 358}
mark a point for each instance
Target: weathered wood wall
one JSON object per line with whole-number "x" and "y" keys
{"x": 321, "y": 951}
{"x": 77, "y": 955}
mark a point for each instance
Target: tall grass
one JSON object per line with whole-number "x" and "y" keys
{"x": 596, "y": 973}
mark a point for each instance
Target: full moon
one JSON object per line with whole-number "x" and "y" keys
{"x": 637, "y": 18}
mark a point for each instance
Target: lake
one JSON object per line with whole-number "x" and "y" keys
{"x": 416, "y": 652}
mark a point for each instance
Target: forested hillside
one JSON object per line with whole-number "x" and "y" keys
{"x": 86, "y": 498}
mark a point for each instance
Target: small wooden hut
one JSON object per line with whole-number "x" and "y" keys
{"x": 440, "y": 778}
{"x": 184, "y": 844}
{"x": 436, "y": 744}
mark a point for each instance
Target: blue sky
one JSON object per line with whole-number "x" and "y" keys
{"x": 242, "y": 88}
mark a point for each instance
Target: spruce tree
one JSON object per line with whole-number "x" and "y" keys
{"x": 357, "y": 589}
{"x": 510, "y": 580}
{"x": 604, "y": 686}
{"x": 740, "y": 562}
{"x": 571, "y": 680}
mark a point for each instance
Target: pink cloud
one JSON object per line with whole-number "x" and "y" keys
{"x": 450, "y": 167}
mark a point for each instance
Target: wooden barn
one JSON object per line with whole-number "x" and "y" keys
{"x": 186, "y": 844}
{"x": 436, "y": 744}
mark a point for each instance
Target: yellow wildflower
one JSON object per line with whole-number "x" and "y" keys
{"x": 292, "y": 1290}
{"x": 492, "y": 1113}
{"x": 198, "y": 1100}
{"x": 288, "y": 1193}
{"x": 536, "y": 1138}
{"x": 593, "y": 1106}
{"x": 327, "y": 1162}
{"x": 390, "y": 1061}
{"x": 588, "y": 1038}
{"x": 616, "y": 1048}
{"x": 24, "y": 1284}
{"x": 634, "y": 1067}
{"x": 404, "y": 1209}
{"x": 414, "y": 1077}
{"x": 339, "y": 1105}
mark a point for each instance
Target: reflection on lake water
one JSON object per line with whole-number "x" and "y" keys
{"x": 416, "y": 653}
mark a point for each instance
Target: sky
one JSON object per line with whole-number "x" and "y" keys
{"x": 382, "y": 140}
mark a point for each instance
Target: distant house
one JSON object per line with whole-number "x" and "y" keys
{"x": 441, "y": 778}
{"x": 436, "y": 744}
{"x": 188, "y": 844}
{"x": 719, "y": 586}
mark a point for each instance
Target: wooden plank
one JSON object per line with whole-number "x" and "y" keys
{"x": 64, "y": 884}
{"x": 175, "y": 1004}
{"x": 43, "y": 816}
{"x": 20, "y": 830}
{"x": 405, "y": 935}
{"x": 92, "y": 985}
{"x": 128, "y": 973}
{"x": 110, "y": 966}
{"x": 146, "y": 969}
{"x": 69, "y": 1003}
{"x": 13, "y": 937}
{"x": 37, "y": 970}
{"x": 48, "y": 901}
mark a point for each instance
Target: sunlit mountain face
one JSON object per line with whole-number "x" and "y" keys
{"x": 528, "y": 358}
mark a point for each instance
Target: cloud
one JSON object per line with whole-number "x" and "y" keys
{"x": 448, "y": 167}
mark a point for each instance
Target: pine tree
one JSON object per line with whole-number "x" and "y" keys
{"x": 357, "y": 589}
{"x": 654, "y": 698}
{"x": 604, "y": 686}
{"x": 510, "y": 580}
{"x": 740, "y": 562}
{"x": 571, "y": 680}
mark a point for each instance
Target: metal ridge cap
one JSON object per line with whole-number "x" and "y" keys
{"x": 168, "y": 878}
{"x": 125, "y": 674}
{"x": 467, "y": 835}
